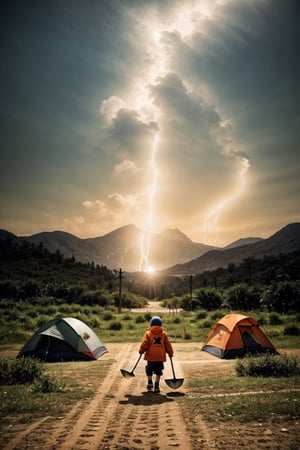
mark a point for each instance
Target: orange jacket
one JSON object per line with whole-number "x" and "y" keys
{"x": 156, "y": 344}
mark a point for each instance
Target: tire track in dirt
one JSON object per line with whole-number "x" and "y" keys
{"x": 122, "y": 415}
{"x": 145, "y": 420}
{"x": 61, "y": 433}
{"x": 90, "y": 424}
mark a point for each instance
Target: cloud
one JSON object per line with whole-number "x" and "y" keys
{"x": 114, "y": 210}
{"x": 93, "y": 204}
{"x": 127, "y": 166}
{"x": 111, "y": 106}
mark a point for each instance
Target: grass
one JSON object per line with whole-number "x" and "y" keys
{"x": 243, "y": 399}
{"x": 79, "y": 381}
{"x": 18, "y": 324}
{"x": 262, "y": 407}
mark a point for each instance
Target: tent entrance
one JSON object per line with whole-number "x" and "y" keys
{"x": 250, "y": 341}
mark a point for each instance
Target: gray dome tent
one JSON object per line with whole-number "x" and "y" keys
{"x": 64, "y": 339}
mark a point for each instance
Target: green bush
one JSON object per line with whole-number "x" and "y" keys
{"x": 268, "y": 365}
{"x": 207, "y": 324}
{"x": 291, "y": 330}
{"x": 140, "y": 319}
{"x": 275, "y": 319}
{"x": 148, "y": 316}
{"x": 176, "y": 320}
{"x": 262, "y": 320}
{"x": 47, "y": 384}
{"x": 116, "y": 326}
{"x": 201, "y": 315}
{"x": 108, "y": 316}
{"x": 127, "y": 317}
{"x": 19, "y": 371}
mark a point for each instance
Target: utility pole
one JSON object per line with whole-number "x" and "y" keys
{"x": 191, "y": 290}
{"x": 120, "y": 291}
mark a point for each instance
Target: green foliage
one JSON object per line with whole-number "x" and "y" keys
{"x": 108, "y": 315}
{"x": 268, "y": 365}
{"x": 291, "y": 330}
{"x": 275, "y": 319}
{"x": 47, "y": 384}
{"x": 19, "y": 371}
{"x": 116, "y": 325}
{"x": 282, "y": 297}
{"x": 148, "y": 316}
{"x": 243, "y": 297}
{"x": 29, "y": 273}
{"x": 176, "y": 319}
{"x": 207, "y": 298}
{"x": 140, "y": 319}
{"x": 207, "y": 323}
{"x": 201, "y": 315}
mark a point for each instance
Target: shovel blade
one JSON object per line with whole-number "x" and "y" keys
{"x": 175, "y": 383}
{"x": 126, "y": 374}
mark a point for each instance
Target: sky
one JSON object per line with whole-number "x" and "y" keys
{"x": 159, "y": 113}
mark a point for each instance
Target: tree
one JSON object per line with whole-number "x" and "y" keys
{"x": 282, "y": 297}
{"x": 243, "y": 297}
{"x": 207, "y": 298}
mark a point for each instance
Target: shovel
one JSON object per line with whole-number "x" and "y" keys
{"x": 174, "y": 383}
{"x": 126, "y": 373}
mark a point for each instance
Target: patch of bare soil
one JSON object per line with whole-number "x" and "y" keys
{"x": 123, "y": 415}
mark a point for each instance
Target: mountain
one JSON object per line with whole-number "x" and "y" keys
{"x": 285, "y": 240}
{"x": 172, "y": 252}
{"x": 243, "y": 241}
{"x": 7, "y": 235}
{"x": 121, "y": 248}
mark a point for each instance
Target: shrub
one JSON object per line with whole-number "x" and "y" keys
{"x": 216, "y": 315}
{"x": 127, "y": 317}
{"x": 116, "y": 326}
{"x": 148, "y": 316}
{"x": 208, "y": 298}
{"x": 262, "y": 319}
{"x": 243, "y": 297}
{"x": 176, "y": 320}
{"x": 47, "y": 384}
{"x": 201, "y": 315}
{"x": 19, "y": 371}
{"x": 291, "y": 330}
{"x": 140, "y": 319}
{"x": 282, "y": 297}
{"x": 108, "y": 316}
{"x": 268, "y": 365}
{"x": 275, "y": 319}
{"x": 207, "y": 324}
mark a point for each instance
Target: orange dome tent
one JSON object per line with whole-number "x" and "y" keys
{"x": 235, "y": 335}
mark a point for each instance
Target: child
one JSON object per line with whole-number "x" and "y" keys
{"x": 156, "y": 344}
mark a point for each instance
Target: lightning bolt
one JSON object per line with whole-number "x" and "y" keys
{"x": 145, "y": 241}
{"x": 211, "y": 221}
{"x": 156, "y": 34}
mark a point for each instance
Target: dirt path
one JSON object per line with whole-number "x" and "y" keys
{"x": 122, "y": 415}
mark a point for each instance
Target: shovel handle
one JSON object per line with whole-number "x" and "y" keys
{"x": 141, "y": 354}
{"x": 172, "y": 367}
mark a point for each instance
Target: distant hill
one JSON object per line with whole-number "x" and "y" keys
{"x": 121, "y": 247}
{"x": 285, "y": 240}
{"x": 243, "y": 241}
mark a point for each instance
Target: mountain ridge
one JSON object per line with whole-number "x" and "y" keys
{"x": 172, "y": 252}
{"x": 120, "y": 247}
{"x": 286, "y": 240}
